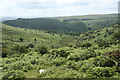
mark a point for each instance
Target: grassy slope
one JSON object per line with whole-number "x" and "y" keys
{"x": 13, "y": 34}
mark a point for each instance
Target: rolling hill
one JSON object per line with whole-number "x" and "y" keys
{"x": 90, "y": 54}
{"x": 93, "y": 21}
{"x": 66, "y": 24}
{"x": 11, "y": 36}
{"x": 47, "y": 24}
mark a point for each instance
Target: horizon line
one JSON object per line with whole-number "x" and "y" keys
{"x": 56, "y": 16}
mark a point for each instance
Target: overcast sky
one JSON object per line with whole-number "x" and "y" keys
{"x": 52, "y": 8}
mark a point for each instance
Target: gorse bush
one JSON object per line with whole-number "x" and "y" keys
{"x": 13, "y": 75}
{"x": 82, "y": 56}
{"x": 99, "y": 72}
{"x": 83, "y": 45}
{"x": 71, "y": 64}
{"x": 20, "y": 49}
{"x": 42, "y": 49}
{"x": 87, "y": 45}
{"x": 20, "y": 65}
{"x": 88, "y": 54}
{"x": 63, "y": 53}
{"x": 103, "y": 43}
{"x": 5, "y": 52}
{"x": 8, "y": 61}
{"x": 84, "y": 66}
{"x": 31, "y": 45}
{"x": 115, "y": 54}
{"x": 33, "y": 61}
{"x": 54, "y": 53}
{"x": 58, "y": 61}
{"x": 104, "y": 61}
{"x": 74, "y": 57}
{"x": 116, "y": 36}
{"x": 9, "y": 51}
{"x": 21, "y": 39}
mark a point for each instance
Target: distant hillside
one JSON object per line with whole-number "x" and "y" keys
{"x": 66, "y": 24}
{"x": 47, "y": 24}
{"x": 93, "y": 21}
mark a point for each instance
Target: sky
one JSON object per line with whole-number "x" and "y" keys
{"x": 55, "y": 8}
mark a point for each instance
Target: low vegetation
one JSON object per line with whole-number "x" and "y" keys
{"x": 91, "y": 54}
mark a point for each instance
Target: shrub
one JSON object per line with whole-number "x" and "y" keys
{"x": 21, "y": 39}
{"x": 13, "y": 75}
{"x": 98, "y": 34}
{"x": 116, "y": 36}
{"x": 42, "y": 49}
{"x": 87, "y": 54}
{"x": 63, "y": 53}
{"x": 115, "y": 54}
{"x": 105, "y": 35}
{"x": 20, "y": 49}
{"x": 78, "y": 44}
{"x": 33, "y": 61}
{"x": 58, "y": 61}
{"x": 5, "y": 52}
{"x": 82, "y": 56}
{"x": 85, "y": 65}
{"x": 110, "y": 32}
{"x": 71, "y": 64}
{"x": 103, "y": 61}
{"x": 74, "y": 57}
{"x": 87, "y": 45}
{"x": 102, "y": 43}
{"x": 79, "y": 64}
{"x": 19, "y": 65}
{"x": 55, "y": 53}
{"x": 83, "y": 45}
{"x": 31, "y": 45}
{"x": 99, "y": 72}
{"x": 35, "y": 39}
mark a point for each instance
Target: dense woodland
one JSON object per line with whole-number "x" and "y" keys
{"x": 64, "y": 47}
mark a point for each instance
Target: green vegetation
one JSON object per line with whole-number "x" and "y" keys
{"x": 90, "y": 54}
{"x": 42, "y": 49}
{"x": 74, "y": 24}
{"x": 47, "y": 24}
